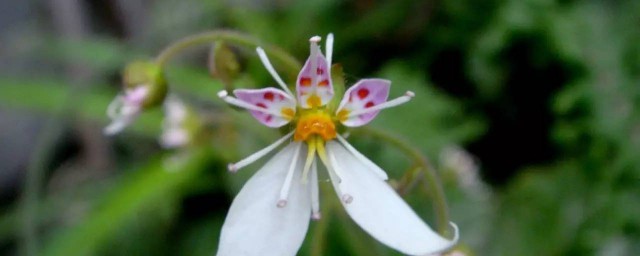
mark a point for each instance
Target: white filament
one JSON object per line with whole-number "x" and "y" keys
{"x": 286, "y": 186}
{"x": 388, "y": 104}
{"x": 346, "y": 198}
{"x": 257, "y": 155}
{"x": 239, "y": 103}
{"x": 315, "y": 192}
{"x": 272, "y": 71}
{"x": 329, "y": 49}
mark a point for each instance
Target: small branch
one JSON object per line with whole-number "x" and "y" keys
{"x": 206, "y": 38}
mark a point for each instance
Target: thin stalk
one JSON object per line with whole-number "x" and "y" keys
{"x": 34, "y": 178}
{"x": 33, "y": 185}
{"x": 290, "y": 63}
{"x": 428, "y": 174}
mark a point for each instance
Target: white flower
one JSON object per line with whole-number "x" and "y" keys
{"x": 125, "y": 108}
{"x": 465, "y": 168}
{"x": 270, "y": 215}
{"x": 174, "y": 132}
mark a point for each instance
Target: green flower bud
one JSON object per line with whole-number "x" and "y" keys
{"x": 223, "y": 63}
{"x": 147, "y": 74}
{"x": 144, "y": 87}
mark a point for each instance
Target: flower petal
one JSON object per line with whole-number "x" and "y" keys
{"x": 255, "y": 225}
{"x": 122, "y": 114}
{"x": 364, "y": 94}
{"x": 274, "y": 100}
{"x": 382, "y": 213}
{"x": 313, "y": 86}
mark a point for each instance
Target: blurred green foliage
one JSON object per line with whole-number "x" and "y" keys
{"x": 457, "y": 56}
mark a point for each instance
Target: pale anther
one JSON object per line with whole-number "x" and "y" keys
{"x": 315, "y": 39}
{"x": 347, "y": 199}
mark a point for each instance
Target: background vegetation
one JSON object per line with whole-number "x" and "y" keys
{"x": 545, "y": 94}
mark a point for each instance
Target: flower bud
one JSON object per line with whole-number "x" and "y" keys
{"x": 147, "y": 74}
{"x": 144, "y": 87}
{"x": 223, "y": 63}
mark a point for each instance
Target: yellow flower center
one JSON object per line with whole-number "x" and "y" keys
{"x": 288, "y": 113}
{"x": 314, "y": 101}
{"x": 315, "y": 122}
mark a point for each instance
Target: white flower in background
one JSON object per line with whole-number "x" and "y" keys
{"x": 465, "y": 168}
{"x": 125, "y": 108}
{"x": 271, "y": 213}
{"x": 174, "y": 132}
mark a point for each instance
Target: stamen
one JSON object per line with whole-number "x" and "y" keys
{"x": 284, "y": 192}
{"x": 389, "y": 104}
{"x": 315, "y": 193}
{"x": 239, "y": 103}
{"x": 272, "y": 71}
{"x": 346, "y": 198}
{"x": 311, "y": 153}
{"x": 257, "y": 155}
{"x": 322, "y": 153}
{"x": 329, "y": 49}
{"x": 363, "y": 159}
{"x": 315, "y": 39}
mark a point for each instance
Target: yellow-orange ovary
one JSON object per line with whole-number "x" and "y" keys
{"x": 315, "y": 124}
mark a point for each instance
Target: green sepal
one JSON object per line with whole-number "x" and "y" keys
{"x": 337, "y": 78}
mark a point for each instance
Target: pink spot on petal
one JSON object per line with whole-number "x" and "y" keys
{"x": 324, "y": 83}
{"x": 363, "y": 93}
{"x": 262, "y": 105}
{"x": 319, "y": 71}
{"x": 305, "y": 81}
{"x": 268, "y": 96}
{"x": 268, "y": 118}
{"x": 369, "y": 104}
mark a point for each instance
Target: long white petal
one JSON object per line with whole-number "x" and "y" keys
{"x": 378, "y": 210}
{"x": 255, "y": 225}
{"x": 372, "y": 166}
